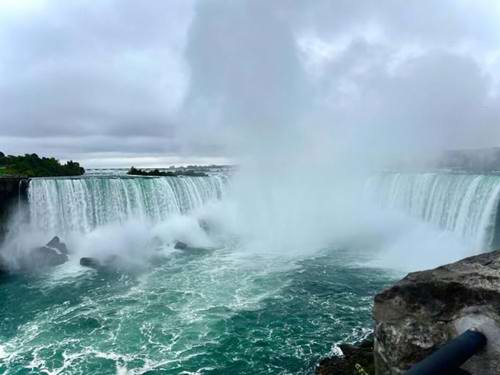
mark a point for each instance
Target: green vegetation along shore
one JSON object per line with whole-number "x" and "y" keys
{"x": 157, "y": 173}
{"x": 31, "y": 165}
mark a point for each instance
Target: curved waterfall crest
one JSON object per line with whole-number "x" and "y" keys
{"x": 81, "y": 204}
{"x": 465, "y": 204}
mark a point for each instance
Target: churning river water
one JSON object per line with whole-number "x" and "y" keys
{"x": 219, "y": 310}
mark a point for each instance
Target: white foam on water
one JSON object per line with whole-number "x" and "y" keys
{"x": 3, "y": 352}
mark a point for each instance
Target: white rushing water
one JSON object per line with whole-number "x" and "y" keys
{"x": 464, "y": 204}
{"x": 81, "y": 204}
{"x": 461, "y": 203}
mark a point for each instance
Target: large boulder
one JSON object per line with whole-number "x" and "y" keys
{"x": 426, "y": 309}
{"x": 355, "y": 359}
{"x": 53, "y": 254}
{"x": 192, "y": 250}
{"x": 107, "y": 263}
{"x": 43, "y": 257}
{"x": 90, "y": 263}
{"x": 179, "y": 245}
{"x": 56, "y": 243}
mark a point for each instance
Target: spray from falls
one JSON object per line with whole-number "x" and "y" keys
{"x": 122, "y": 215}
{"x": 464, "y": 204}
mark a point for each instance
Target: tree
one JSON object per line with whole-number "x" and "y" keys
{"x": 31, "y": 165}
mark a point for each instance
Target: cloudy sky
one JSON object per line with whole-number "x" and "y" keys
{"x": 154, "y": 83}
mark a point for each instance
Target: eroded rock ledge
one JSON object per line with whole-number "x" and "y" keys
{"x": 426, "y": 309}
{"x": 355, "y": 359}
{"x": 11, "y": 190}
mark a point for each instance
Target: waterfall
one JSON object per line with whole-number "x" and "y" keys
{"x": 60, "y": 205}
{"x": 461, "y": 203}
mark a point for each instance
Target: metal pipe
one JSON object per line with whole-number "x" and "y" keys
{"x": 449, "y": 358}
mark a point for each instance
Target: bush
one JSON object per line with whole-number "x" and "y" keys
{"x": 157, "y": 173}
{"x": 31, "y": 165}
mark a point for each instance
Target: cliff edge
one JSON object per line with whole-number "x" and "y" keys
{"x": 426, "y": 309}
{"x": 11, "y": 190}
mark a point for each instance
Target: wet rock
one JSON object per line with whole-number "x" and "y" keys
{"x": 205, "y": 225}
{"x": 110, "y": 263}
{"x": 90, "y": 262}
{"x": 179, "y": 245}
{"x": 56, "y": 243}
{"x": 53, "y": 254}
{"x": 42, "y": 257}
{"x": 196, "y": 251}
{"x": 356, "y": 359}
{"x": 3, "y": 266}
{"x": 426, "y": 309}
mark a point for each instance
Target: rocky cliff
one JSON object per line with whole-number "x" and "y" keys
{"x": 11, "y": 190}
{"x": 426, "y": 309}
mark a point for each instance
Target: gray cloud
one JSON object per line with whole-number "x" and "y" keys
{"x": 111, "y": 72}
{"x": 208, "y": 78}
{"x": 387, "y": 76}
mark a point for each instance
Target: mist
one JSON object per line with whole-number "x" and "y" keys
{"x": 309, "y": 100}
{"x": 311, "y": 109}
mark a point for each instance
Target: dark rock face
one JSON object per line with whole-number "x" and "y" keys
{"x": 56, "y": 243}
{"x": 426, "y": 309}
{"x": 205, "y": 225}
{"x": 11, "y": 190}
{"x": 109, "y": 263}
{"x": 53, "y": 254}
{"x": 90, "y": 262}
{"x": 356, "y": 359}
{"x": 179, "y": 245}
{"x": 191, "y": 250}
{"x": 3, "y": 266}
{"x": 43, "y": 257}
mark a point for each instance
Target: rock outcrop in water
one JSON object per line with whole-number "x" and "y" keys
{"x": 179, "y": 245}
{"x": 192, "y": 250}
{"x": 90, "y": 263}
{"x": 53, "y": 254}
{"x": 109, "y": 263}
{"x": 355, "y": 359}
{"x": 426, "y": 309}
{"x": 56, "y": 243}
{"x": 42, "y": 257}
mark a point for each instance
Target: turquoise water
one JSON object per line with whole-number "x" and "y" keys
{"x": 220, "y": 312}
{"x": 232, "y": 310}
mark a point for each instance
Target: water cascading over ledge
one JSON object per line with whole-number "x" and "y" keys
{"x": 62, "y": 205}
{"x": 466, "y": 204}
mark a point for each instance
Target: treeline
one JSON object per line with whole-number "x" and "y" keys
{"x": 157, "y": 173}
{"x": 31, "y": 165}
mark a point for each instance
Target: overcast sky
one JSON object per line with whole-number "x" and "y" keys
{"x": 154, "y": 83}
